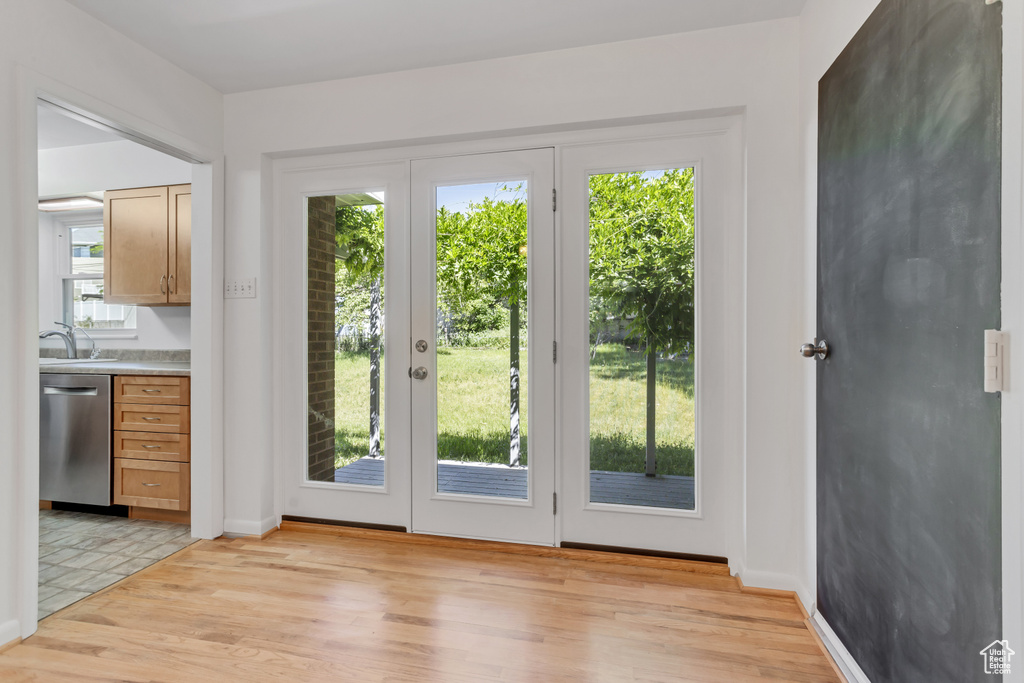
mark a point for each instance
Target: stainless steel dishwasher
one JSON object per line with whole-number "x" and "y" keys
{"x": 74, "y": 438}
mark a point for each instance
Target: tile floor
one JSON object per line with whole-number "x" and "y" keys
{"x": 81, "y": 553}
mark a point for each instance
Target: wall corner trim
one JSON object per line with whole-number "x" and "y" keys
{"x": 841, "y": 656}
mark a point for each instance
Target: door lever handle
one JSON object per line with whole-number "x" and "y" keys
{"x": 819, "y": 350}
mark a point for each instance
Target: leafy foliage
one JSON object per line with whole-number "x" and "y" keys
{"x": 359, "y": 236}
{"x": 641, "y": 255}
{"x": 481, "y": 260}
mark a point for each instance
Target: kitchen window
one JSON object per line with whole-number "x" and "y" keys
{"x": 81, "y": 261}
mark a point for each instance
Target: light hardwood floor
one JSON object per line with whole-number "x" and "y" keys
{"x": 353, "y": 606}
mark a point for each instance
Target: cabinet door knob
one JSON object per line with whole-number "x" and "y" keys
{"x": 170, "y": 284}
{"x": 162, "y": 278}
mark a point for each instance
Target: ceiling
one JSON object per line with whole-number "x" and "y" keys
{"x": 239, "y": 45}
{"x": 57, "y": 130}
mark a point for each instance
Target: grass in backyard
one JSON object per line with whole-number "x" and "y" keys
{"x": 618, "y": 412}
{"x": 473, "y": 409}
{"x": 352, "y": 407}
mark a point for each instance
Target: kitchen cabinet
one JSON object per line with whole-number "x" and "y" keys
{"x": 151, "y": 442}
{"x": 148, "y": 246}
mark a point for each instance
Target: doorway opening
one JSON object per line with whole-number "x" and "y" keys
{"x": 114, "y": 314}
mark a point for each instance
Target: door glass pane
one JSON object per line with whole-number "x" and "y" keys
{"x": 642, "y": 338}
{"x": 345, "y": 266}
{"x": 481, "y": 340}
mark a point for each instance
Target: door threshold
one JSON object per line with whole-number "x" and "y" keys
{"x": 689, "y": 557}
{"x": 564, "y": 553}
{"x": 342, "y": 523}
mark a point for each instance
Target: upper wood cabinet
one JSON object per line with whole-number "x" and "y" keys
{"x": 179, "y": 240}
{"x": 147, "y": 246}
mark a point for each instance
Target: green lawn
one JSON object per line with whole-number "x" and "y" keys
{"x": 473, "y": 398}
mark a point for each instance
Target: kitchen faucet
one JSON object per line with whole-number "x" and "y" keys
{"x": 95, "y": 353}
{"x": 68, "y": 339}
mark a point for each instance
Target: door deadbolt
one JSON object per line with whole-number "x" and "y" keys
{"x": 819, "y": 350}
{"x": 421, "y": 345}
{"x": 419, "y": 373}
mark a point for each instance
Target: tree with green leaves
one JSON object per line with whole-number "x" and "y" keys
{"x": 642, "y": 264}
{"x": 481, "y": 254}
{"x": 359, "y": 245}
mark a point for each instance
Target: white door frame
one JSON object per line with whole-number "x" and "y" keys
{"x": 492, "y": 518}
{"x": 1013, "y": 321}
{"x": 383, "y": 505}
{"x": 207, "y": 317}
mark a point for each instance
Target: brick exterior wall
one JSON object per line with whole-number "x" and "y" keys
{"x": 321, "y": 264}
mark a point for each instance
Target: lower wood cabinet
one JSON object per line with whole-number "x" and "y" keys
{"x": 149, "y": 418}
{"x": 151, "y": 444}
{"x": 152, "y": 483}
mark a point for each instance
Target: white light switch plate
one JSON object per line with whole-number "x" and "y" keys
{"x": 240, "y": 288}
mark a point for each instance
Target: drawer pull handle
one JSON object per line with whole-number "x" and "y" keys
{"x": 152, "y": 419}
{"x": 145, "y": 484}
{"x": 146, "y": 445}
{"x": 152, "y": 391}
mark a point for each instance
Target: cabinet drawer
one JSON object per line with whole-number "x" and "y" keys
{"x": 133, "y": 417}
{"x": 151, "y": 484}
{"x": 154, "y": 390}
{"x": 151, "y": 446}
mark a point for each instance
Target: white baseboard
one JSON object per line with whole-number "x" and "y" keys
{"x": 10, "y": 631}
{"x": 783, "y": 582}
{"x": 843, "y": 659}
{"x": 247, "y": 527}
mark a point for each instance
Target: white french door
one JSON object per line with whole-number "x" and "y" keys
{"x": 483, "y": 418}
{"x": 342, "y": 256}
{"x": 648, "y": 315}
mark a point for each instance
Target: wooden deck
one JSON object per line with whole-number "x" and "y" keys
{"x": 351, "y": 605}
{"x": 622, "y": 488}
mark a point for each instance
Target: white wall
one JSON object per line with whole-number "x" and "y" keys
{"x": 94, "y": 168}
{"x": 753, "y": 66}
{"x": 49, "y": 45}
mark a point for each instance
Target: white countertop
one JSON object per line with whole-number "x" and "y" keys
{"x": 114, "y": 367}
